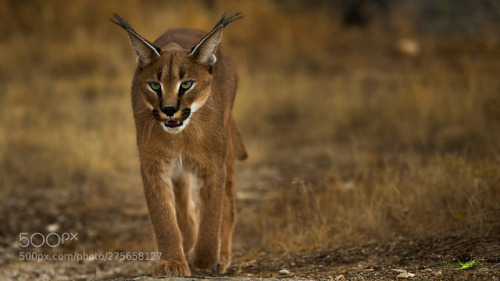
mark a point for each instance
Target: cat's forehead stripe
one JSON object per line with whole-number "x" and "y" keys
{"x": 182, "y": 72}
{"x": 170, "y": 70}
{"x": 158, "y": 73}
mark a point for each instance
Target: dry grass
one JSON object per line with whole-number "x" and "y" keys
{"x": 370, "y": 145}
{"x": 387, "y": 199}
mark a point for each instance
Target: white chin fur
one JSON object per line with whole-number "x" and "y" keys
{"x": 175, "y": 130}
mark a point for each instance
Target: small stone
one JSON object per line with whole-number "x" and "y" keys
{"x": 53, "y": 227}
{"x": 339, "y": 277}
{"x": 405, "y": 275}
{"x": 284, "y": 272}
{"x": 399, "y": 270}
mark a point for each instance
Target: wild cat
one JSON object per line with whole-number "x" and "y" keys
{"x": 183, "y": 91}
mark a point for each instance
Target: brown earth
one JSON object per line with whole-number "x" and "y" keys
{"x": 117, "y": 228}
{"x": 426, "y": 259}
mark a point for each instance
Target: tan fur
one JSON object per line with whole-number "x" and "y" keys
{"x": 198, "y": 154}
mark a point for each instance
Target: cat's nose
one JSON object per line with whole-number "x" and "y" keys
{"x": 169, "y": 110}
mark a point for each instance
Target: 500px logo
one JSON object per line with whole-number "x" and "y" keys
{"x": 52, "y": 239}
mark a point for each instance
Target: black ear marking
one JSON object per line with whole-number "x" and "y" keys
{"x": 205, "y": 50}
{"x": 225, "y": 20}
{"x": 145, "y": 50}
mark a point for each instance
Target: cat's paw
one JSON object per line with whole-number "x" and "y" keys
{"x": 171, "y": 268}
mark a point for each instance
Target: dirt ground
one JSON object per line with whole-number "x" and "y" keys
{"x": 418, "y": 259}
{"x": 432, "y": 258}
{"x": 402, "y": 259}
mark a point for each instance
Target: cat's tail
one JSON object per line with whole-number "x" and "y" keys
{"x": 238, "y": 145}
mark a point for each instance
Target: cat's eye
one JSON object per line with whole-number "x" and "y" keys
{"x": 186, "y": 85}
{"x": 155, "y": 86}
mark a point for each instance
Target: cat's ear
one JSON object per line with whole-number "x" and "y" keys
{"x": 145, "y": 50}
{"x": 204, "y": 51}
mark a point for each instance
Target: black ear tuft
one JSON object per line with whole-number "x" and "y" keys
{"x": 205, "y": 50}
{"x": 145, "y": 50}
{"x": 121, "y": 22}
{"x": 225, "y": 20}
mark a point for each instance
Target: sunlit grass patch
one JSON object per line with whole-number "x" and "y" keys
{"x": 463, "y": 265}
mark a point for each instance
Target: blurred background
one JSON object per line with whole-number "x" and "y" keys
{"x": 364, "y": 120}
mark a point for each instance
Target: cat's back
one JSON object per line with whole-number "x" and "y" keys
{"x": 184, "y": 37}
